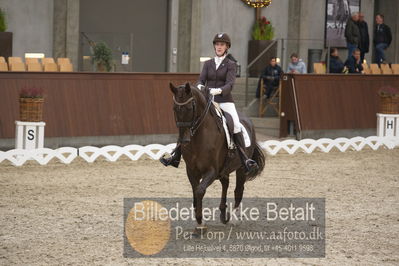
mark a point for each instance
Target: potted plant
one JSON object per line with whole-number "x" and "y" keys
{"x": 5, "y": 37}
{"x": 389, "y": 100}
{"x": 102, "y": 57}
{"x": 262, "y": 37}
{"x": 31, "y": 104}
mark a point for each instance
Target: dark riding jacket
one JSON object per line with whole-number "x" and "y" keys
{"x": 223, "y": 78}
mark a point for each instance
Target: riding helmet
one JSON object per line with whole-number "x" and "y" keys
{"x": 222, "y": 37}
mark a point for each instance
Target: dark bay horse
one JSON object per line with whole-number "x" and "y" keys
{"x": 205, "y": 151}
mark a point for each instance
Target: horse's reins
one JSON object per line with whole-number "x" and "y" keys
{"x": 194, "y": 124}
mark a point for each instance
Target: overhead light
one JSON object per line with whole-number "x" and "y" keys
{"x": 277, "y": 60}
{"x": 203, "y": 59}
{"x": 34, "y": 55}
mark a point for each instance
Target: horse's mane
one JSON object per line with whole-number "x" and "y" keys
{"x": 204, "y": 95}
{"x": 197, "y": 93}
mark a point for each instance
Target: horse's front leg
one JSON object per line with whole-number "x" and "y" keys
{"x": 194, "y": 181}
{"x": 206, "y": 181}
{"x": 224, "y": 217}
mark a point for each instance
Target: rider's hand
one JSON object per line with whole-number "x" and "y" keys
{"x": 200, "y": 87}
{"x": 215, "y": 91}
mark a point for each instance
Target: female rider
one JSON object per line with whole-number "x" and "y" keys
{"x": 219, "y": 74}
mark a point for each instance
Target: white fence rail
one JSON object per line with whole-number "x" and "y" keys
{"x": 112, "y": 153}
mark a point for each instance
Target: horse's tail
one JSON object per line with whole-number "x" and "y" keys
{"x": 259, "y": 158}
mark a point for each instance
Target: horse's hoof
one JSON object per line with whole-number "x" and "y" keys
{"x": 236, "y": 218}
{"x": 225, "y": 218}
{"x": 199, "y": 231}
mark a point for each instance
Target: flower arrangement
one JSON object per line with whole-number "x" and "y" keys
{"x": 31, "y": 93}
{"x": 389, "y": 100}
{"x": 388, "y": 91}
{"x": 263, "y": 30}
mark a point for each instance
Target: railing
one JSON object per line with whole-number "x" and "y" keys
{"x": 251, "y": 64}
{"x": 301, "y": 45}
{"x": 119, "y": 43}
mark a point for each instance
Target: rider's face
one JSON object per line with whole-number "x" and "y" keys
{"x": 220, "y": 48}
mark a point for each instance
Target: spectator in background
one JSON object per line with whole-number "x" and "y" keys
{"x": 354, "y": 64}
{"x": 352, "y": 33}
{"x": 336, "y": 64}
{"x": 382, "y": 39}
{"x": 271, "y": 78}
{"x": 296, "y": 66}
{"x": 364, "y": 37}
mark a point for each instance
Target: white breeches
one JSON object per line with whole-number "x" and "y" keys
{"x": 231, "y": 109}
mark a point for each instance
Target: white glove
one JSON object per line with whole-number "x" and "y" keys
{"x": 215, "y": 91}
{"x": 200, "y": 87}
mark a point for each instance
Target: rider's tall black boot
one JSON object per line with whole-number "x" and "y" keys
{"x": 174, "y": 160}
{"x": 250, "y": 165}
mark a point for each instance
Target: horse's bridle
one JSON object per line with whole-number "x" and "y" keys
{"x": 194, "y": 124}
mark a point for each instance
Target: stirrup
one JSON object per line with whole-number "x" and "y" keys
{"x": 169, "y": 161}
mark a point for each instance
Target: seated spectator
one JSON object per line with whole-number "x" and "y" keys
{"x": 336, "y": 64}
{"x": 354, "y": 63}
{"x": 296, "y": 66}
{"x": 271, "y": 78}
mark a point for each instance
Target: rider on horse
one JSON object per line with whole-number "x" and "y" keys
{"x": 219, "y": 75}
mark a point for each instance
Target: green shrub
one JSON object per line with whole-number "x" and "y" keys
{"x": 3, "y": 21}
{"x": 102, "y": 55}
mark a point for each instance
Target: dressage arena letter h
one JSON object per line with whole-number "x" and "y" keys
{"x": 388, "y": 125}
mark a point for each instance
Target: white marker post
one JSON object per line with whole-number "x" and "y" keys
{"x": 388, "y": 125}
{"x": 29, "y": 135}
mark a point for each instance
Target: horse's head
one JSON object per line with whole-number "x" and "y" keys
{"x": 188, "y": 102}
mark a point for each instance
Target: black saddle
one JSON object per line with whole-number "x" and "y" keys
{"x": 229, "y": 122}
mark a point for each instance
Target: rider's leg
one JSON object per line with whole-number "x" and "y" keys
{"x": 174, "y": 160}
{"x": 250, "y": 165}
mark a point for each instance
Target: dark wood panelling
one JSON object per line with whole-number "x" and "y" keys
{"x": 95, "y": 104}
{"x": 329, "y": 102}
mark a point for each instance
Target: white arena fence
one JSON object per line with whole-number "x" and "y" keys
{"x": 112, "y": 153}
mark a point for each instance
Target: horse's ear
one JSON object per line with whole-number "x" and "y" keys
{"x": 188, "y": 88}
{"x": 173, "y": 89}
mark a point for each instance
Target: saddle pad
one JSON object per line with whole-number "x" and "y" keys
{"x": 230, "y": 143}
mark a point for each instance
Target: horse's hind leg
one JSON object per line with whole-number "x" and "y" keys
{"x": 235, "y": 216}
{"x": 225, "y": 185}
{"x": 239, "y": 190}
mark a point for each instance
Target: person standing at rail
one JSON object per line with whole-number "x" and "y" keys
{"x": 382, "y": 39}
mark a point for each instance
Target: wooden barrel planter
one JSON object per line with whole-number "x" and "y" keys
{"x": 389, "y": 104}
{"x": 31, "y": 109}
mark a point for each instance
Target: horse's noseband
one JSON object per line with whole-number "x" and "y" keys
{"x": 195, "y": 123}
{"x": 185, "y": 123}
